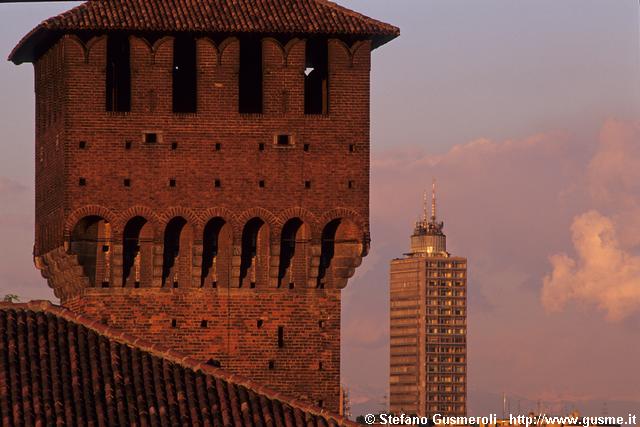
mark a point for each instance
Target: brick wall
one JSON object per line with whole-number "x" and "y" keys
{"x": 241, "y": 331}
{"x": 50, "y": 149}
{"x": 323, "y": 176}
{"x": 239, "y": 164}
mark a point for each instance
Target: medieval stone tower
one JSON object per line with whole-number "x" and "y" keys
{"x": 202, "y": 175}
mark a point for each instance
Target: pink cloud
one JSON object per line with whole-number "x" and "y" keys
{"x": 606, "y": 269}
{"x": 603, "y": 274}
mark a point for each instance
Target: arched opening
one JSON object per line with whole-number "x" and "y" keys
{"x": 216, "y": 254}
{"x": 91, "y": 243}
{"x": 137, "y": 253}
{"x": 341, "y": 252}
{"x": 176, "y": 260}
{"x": 327, "y": 250}
{"x": 255, "y": 253}
{"x": 294, "y": 244}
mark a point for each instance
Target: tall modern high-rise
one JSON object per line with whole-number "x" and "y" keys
{"x": 428, "y": 324}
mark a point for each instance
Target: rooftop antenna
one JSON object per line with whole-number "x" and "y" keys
{"x": 433, "y": 200}
{"x": 424, "y": 207}
{"x": 504, "y": 405}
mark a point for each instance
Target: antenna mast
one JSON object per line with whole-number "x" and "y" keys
{"x": 424, "y": 207}
{"x": 433, "y": 200}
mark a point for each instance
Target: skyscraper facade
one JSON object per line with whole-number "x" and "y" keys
{"x": 428, "y": 292}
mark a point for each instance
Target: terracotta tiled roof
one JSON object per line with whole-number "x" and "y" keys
{"x": 57, "y": 367}
{"x": 209, "y": 16}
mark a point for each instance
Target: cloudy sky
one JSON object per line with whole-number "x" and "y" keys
{"x": 528, "y": 114}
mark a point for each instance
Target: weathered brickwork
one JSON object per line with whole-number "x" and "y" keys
{"x": 195, "y": 164}
{"x": 50, "y": 149}
{"x": 238, "y": 328}
{"x": 320, "y": 177}
{"x": 225, "y": 235}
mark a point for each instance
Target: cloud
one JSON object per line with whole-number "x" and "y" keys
{"x": 493, "y": 196}
{"x": 605, "y": 272}
{"x": 477, "y": 151}
{"x": 614, "y": 170}
{"x": 614, "y": 178}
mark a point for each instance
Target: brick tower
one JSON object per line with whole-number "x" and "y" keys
{"x": 202, "y": 175}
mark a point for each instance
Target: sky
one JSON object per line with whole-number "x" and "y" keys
{"x": 527, "y": 114}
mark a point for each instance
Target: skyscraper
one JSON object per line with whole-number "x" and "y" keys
{"x": 428, "y": 294}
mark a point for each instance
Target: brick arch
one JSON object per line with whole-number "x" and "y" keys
{"x": 353, "y": 216}
{"x": 189, "y": 214}
{"x": 267, "y": 216}
{"x": 93, "y": 42}
{"x": 224, "y": 44}
{"x": 227, "y": 220}
{"x": 297, "y": 212}
{"x": 356, "y": 46}
{"x": 285, "y": 49}
{"x": 345, "y": 49}
{"x": 276, "y": 43}
{"x": 145, "y": 41}
{"x": 345, "y": 213}
{"x": 79, "y": 43}
{"x": 156, "y": 46}
{"x": 289, "y": 47}
{"x": 211, "y": 44}
{"x": 217, "y": 212}
{"x": 158, "y": 43}
{"x": 356, "y": 51}
{"x": 338, "y": 273}
{"x": 142, "y": 211}
{"x": 85, "y": 211}
{"x": 224, "y": 238}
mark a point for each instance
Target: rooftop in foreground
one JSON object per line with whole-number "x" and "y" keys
{"x": 59, "y": 367}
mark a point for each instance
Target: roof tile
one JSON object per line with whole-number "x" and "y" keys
{"x": 60, "y": 367}
{"x": 206, "y": 16}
